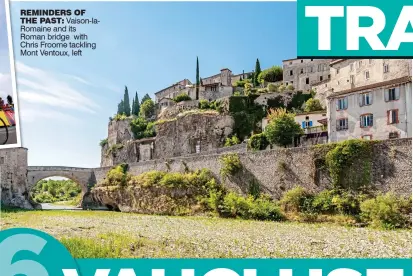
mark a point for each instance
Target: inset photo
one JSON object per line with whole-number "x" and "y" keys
{"x": 9, "y": 126}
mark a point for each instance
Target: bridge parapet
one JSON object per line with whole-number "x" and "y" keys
{"x": 58, "y": 168}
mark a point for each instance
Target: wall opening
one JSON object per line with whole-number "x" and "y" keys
{"x": 56, "y": 192}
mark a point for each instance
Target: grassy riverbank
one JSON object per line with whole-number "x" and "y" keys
{"x": 99, "y": 234}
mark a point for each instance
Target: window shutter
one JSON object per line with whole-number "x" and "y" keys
{"x": 303, "y": 124}
{"x": 397, "y": 93}
{"x": 310, "y": 123}
{"x": 361, "y": 99}
{"x": 397, "y": 116}
{"x": 337, "y": 101}
{"x": 371, "y": 98}
{"x": 345, "y": 103}
{"x": 386, "y": 95}
{"x": 388, "y": 117}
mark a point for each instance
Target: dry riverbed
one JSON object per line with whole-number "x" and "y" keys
{"x": 119, "y": 235}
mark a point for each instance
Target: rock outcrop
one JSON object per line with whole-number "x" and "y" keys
{"x": 192, "y": 132}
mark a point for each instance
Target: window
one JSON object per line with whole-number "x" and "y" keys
{"x": 213, "y": 88}
{"x": 393, "y": 135}
{"x": 291, "y": 72}
{"x": 302, "y": 71}
{"x": 393, "y": 116}
{"x": 2, "y": 160}
{"x": 307, "y": 117}
{"x": 338, "y": 71}
{"x": 342, "y": 124}
{"x": 329, "y": 76}
{"x": 360, "y": 63}
{"x": 198, "y": 146}
{"x": 365, "y": 99}
{"x": 311, "y": 69}
{"x": 392, "y": 94}
{"x": 367, "y": 137}
{"x": 342, "y": 103}
{"x": 352, "y": 79}
{"x": 385, "y": 68}
{"x": 366, "y": 120}
{"x": 312, "y": 59}
{"x": 306, "y": 124}
{"x": 301, "y": 61}
{"x": 367, "y": 75}
{"x": 321, "y": 78}
{"x": 291, "y": 62}
{"x": 307, "y": 81}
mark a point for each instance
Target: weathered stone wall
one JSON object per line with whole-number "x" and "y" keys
{"x": 13, "y": 177}
{"x": 191, "y": 133}
{"x": 279, "y": 170}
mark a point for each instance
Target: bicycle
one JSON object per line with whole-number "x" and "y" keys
{"x": 6, "y": 131}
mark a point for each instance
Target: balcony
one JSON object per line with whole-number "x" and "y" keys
{"x": 315, "y": 129}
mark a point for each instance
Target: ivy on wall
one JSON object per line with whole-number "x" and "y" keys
{"x": 348, "y": 163}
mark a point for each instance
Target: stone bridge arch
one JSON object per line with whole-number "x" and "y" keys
{"x": 82, "y": 176}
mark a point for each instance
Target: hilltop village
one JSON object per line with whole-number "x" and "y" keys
{"x": 321, "y": 101}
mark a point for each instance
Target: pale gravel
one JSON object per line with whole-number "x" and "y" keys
{"x": 202, "y": 237}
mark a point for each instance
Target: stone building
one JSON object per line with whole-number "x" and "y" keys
{"x": 302, "y": 73}
{"x": 172, "y": 91}
{"x": 369, "y": 99}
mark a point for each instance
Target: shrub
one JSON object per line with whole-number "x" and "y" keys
{"x": 262, "y": 90}
{"x": 282, "y": 128}
{"x": 182, "y": 97}
{"x": 282, "y": 88}
{"x": 147, "y": 109}
{"x": 258, "y": 142}
{"x": 273, "y": 87}
{"x": 117, "y": 176}
{"x": 385, "y": 211}
{"x": 114, "y": 148}
{"x": 313, "y": 105}
{"x": 349, "y": 164}
{"x": 231, "y": 164}
{"x": 248, "y": 89}
{"x": 235, "y": 205}
{"x": 204, "y": 104}
{"x": 272, "y": 74}
{"x": 294, "y": 199}
{"x": 229, "y": 142}
{"x": 142, "y": 128}
{"x": 290, "y": 87}
{"x": 120, "y": 117}
{"x": 323, "y": 202}
{"x": 103, "y": 142}
{"x": 262, "y": 208}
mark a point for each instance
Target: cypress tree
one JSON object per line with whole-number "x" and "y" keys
{"x": 136, "y": 105}
{"x": 126, "y": 104}
{"x": 257, "y": 72}
{"x": 133, "y": 106}
{"x": 121, "y": 108}
{"x": 197, "y": 78}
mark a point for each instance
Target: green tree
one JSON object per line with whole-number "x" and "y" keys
{"x": 126, "y": 104}
{"x": 313, "y": 105}
{"x": 145, "y": 98}
{"x": 197, "y": 78}
{"x": 136, "y": 105}
{"x": 121, "y": 109}
{"x": 272, "y": 74}
{"x": 147, "y": 109}
{"x": 282, "y": 127}
{"x": 257, "y": 72}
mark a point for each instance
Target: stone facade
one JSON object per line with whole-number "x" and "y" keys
{"x": 391, "y": 169}
{"x": 173, "y": 90}
{"x": 302, "y": 73}
{"x": 192, "y": 133}
{"x": 178, "y": 135}
{"x": 370, "y": 99}
{"x": 13, "y": 177}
